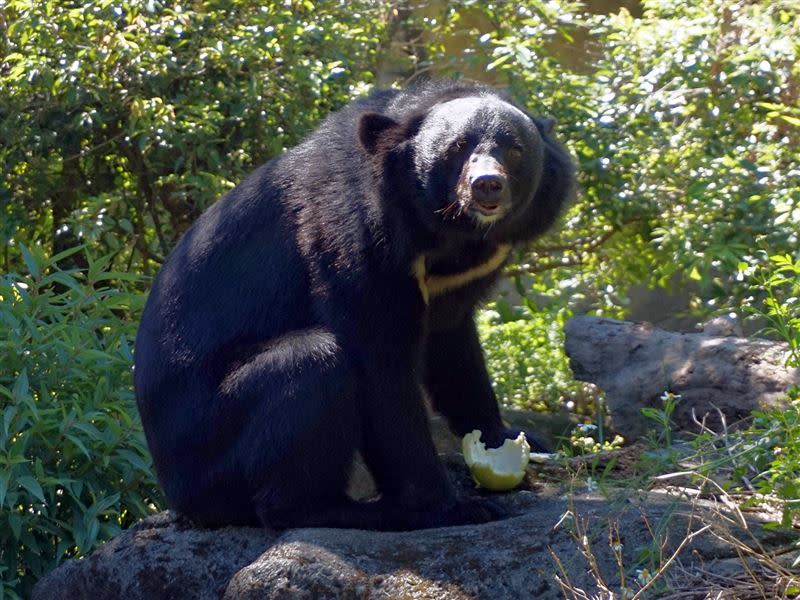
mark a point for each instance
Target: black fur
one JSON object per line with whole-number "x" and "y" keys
{"x": 287, "y": 329}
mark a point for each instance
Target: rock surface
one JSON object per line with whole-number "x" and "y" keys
{"x": 164, "y": 557}
{"x": 635, "y": 363}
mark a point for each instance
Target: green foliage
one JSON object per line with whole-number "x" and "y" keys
{"x": 762, "y": 462}
{"x": 772, "y": 452}
{"x": 663, "y": 416}
{"x": 697, "y": 168}
{"x": 74, "y": 467}
{"x": 122, "y": 121}
{"x": 525, "y": 357}
{"x": 770, "y": 448}
{"x": 779, "y": 284}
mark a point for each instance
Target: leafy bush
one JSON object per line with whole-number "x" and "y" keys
{"x": 771, "y": 456}
{"x": 771, "y": 445}
{"x": 697, "y": 97}
{"x": 122, "y": 121}
{"x": 74, "y": 468}
{"x": 525, "y": 358}
{"x": 779, "y": 283}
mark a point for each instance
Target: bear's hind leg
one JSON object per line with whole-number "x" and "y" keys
{"x": 302, "y": 426}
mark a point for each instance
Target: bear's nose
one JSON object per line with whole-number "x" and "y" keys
{"x": 488, "y": 185}
{"x": 489, "y": 191}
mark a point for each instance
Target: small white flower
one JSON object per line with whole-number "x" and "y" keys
{"x": 643, "y": 576}
{"x": 667, "y": 396}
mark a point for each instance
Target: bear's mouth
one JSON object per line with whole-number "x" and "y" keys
{"x": 486, "y": 208}
{"x": 486, "y": 213}
{"x": 465, "y": 208}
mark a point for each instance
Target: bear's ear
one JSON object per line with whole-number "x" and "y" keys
{"x": 548, "y": 124}
{"x": 375, "y": 131}
{"x": 544, "y": 124}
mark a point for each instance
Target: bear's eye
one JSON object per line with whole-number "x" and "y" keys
{"x": 514, "y": 153}
{"x": 459, "y": 144}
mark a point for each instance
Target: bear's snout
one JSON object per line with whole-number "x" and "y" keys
{"x": 488, "y": 190}
{"x": 489, "y": 193}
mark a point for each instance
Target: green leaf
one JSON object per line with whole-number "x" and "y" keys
{"x": 55, "y": 259}
{"x": 21, "y": 386}
{"x": 30, "y": 484}
{"x": 15, "y": 522}
{"x": 79, "y": 444}
{"x": 791, "y": 120}
{"x": 496, "y": 63}
{"x": 92, "y": 529}
{"x": 30, "y": 262}
{"x": 4, "y": 480}
{"x": 104, "y": 504}
{"x": 135, "y": 460}
{"x": 64, "y": 279}
{"x": 89, "y": 430}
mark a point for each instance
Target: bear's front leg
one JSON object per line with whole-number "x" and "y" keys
{"x": 460, "y": 388}
{"x": 396, "y": 442}
{"x": 399, "y": 451}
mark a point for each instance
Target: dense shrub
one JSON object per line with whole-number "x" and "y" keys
{"x": 778, "y": 283}
{"x": 74, "y": 467}
{"x": 525, "y": 356}
{"x": 121, "y": 121}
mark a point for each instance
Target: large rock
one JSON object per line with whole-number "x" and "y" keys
{"x": 166, "y": 558}
{"x": 635, "y": 363}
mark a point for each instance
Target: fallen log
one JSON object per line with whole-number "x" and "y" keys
{"x": 717, "y": 377}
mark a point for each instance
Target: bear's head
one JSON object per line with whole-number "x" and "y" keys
{"x": 478, "y": 164}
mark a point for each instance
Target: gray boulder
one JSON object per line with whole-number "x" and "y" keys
{"x": 634, "y": 363}
{"x": 165, "y": 557}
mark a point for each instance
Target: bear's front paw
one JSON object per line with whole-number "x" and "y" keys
{"x": 495, "y": 438}
{"x": 463, "y": 512}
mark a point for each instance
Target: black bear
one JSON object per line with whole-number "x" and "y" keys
{"x": 301, "y": 318}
